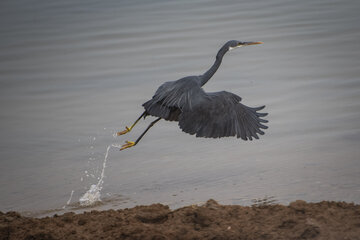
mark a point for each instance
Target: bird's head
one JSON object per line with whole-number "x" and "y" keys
{"x": 236, "y": 44}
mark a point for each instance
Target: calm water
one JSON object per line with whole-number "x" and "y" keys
{"x": 74, "y": 72}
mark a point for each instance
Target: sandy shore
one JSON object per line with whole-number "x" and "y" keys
{"x": 299, "y": 220}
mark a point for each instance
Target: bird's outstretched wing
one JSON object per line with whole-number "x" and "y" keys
{"x": 220, "y": 114}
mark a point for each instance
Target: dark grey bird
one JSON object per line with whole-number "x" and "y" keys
{"x": 205, "y": 114}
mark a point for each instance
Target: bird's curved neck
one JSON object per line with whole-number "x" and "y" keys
{"x": 209, "y": 73}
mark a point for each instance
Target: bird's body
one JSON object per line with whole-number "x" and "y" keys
{"x": 172, "y": 97}
{"x": 215, "y": 115}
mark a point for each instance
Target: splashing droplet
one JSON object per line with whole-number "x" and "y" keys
{"x": 93, "y": 194}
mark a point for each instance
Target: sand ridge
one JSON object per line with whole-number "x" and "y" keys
{"x": 298, "y": 220}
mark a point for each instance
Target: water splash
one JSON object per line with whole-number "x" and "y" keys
{"x": 93, "y": 195}
{"x": 68, "y": 202}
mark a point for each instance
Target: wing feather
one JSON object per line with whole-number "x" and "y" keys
{"x": 215, "y": 115}
{"x": 180, "y": 94}
{"x": 221, "y": 114}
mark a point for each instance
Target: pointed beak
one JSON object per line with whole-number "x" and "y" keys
{"x": 250, "y": 43}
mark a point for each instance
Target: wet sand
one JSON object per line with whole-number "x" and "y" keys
{"x": 298, "y": 220}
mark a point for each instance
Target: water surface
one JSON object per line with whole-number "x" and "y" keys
{"x": 74, "y": 72}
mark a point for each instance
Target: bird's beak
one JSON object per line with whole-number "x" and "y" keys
{"x": 250, "y": 43}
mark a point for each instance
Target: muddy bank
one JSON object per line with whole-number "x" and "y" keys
{"x": 299, "y": 220}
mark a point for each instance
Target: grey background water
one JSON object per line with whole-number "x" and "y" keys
{"x": 74, "y": 72}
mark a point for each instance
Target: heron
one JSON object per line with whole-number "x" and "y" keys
{"x": 200, "y": 113}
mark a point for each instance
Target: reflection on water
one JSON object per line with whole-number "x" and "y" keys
{"x": 72, "y": 74}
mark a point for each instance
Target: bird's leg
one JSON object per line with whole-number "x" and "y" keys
{"x": 128, "y": 129}
{"x": 131, "y": 144}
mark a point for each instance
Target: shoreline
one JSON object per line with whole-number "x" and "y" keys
{"x": 298, "y": 220}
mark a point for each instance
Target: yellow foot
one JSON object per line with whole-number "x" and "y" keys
{"x": 125, "y": 131}
{"x": 127, "y": 145}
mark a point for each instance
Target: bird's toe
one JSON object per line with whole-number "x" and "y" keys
{"x": 127, "y": 144}
{"x": 127, "y": 129}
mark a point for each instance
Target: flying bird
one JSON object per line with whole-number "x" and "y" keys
{"x": 200, "y": 113}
